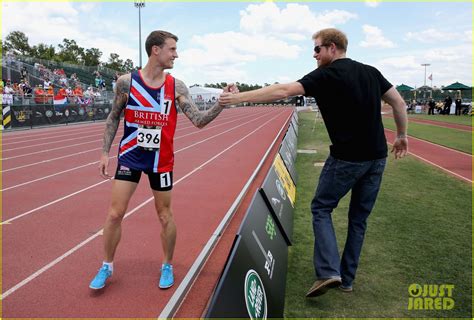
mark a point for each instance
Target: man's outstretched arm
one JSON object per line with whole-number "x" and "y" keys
{"x": 199, "y": 118}
{"x": 266, "y": 94}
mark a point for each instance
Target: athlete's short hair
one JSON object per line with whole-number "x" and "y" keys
{"x": 157, "y": 38}
{"x": 332, "y": 35}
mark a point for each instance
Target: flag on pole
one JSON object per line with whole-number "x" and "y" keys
{"x": 430, "y": 77}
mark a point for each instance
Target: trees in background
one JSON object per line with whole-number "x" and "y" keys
{"x": 67, "y": 51}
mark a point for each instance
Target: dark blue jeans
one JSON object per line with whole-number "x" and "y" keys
{"x": 335, "y": 181}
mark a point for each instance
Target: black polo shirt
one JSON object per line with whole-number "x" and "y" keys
{"x": 349, "y": 94}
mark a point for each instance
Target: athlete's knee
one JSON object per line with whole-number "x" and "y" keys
{"x": 116, "y": 213}
{"x": 165, "y": 215}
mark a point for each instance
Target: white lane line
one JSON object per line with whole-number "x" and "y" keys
{"x": 442, "y": 168}
{"x": 52, "y": 202}
{"x": 73, "y": 145}
{"x": 29, "y": 139}
{"x": 53, "y": 149}
{"x": 57, "y": 139}
{"x": 53, "y": 159}
{"x": 434, "y": 144}
{"x": 83, "y": 243}
{"x": 438, "y": 166}
{"x": 42, "y": 131}
{"x": 178, "y": 296}
{"x": 50, "y": 176}
{"x": 95, "y": 162}
{"x": 65, "y": 131}
{"x": 90, "y": 150}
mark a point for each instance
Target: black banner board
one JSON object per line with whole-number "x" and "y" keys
{"x": 289, "y": 162}
{"x": 252, "y": 285}
{"x": 278, "y": 200}
{"x": 291, "y": 142}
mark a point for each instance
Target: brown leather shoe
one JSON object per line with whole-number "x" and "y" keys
{"x": 321, "y": 286}
{"x": 345, "y": 289}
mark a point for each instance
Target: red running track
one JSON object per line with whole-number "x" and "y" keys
{"x": 457, "y": 126}
{"x": 54, "y": 206}
{"x": 456, "y": 163}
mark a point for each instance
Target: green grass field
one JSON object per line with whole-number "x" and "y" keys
{"x": 418, "y": 233}
{"x": 451, "y": 138}
{"x": 466, "y": 120}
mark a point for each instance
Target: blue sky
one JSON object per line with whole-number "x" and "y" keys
{"x": 265, "y": 42}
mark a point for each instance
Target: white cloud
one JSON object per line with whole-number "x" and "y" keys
{"x": 372, "y": 3}
{"x": 446, "y": 64}
{"x": 225, "y": 55}
{"x": 41, "y": 21}
{"x": 430, "y": 36}
{"x": 87, "y": 6}
{"x": 293, "y": 22}
{"x": 375, "y": 38}
{"x": 265, "y": 32}
{"x": 50, "y": 23}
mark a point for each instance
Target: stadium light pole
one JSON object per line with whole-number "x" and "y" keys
{"x": 425, "y": 65}
{"x": 140, "y": 4}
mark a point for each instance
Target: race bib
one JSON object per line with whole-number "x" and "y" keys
{"x": 149, "y": 139}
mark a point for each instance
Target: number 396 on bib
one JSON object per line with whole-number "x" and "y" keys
{"x": 149, "y": 138}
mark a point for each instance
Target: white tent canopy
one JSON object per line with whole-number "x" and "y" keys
{"x": 204, "y": 94}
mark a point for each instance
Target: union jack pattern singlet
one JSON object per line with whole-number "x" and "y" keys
{"x": 147, "y": 106}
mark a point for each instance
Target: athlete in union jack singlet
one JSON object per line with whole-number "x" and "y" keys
{"x": 148, "y": 98}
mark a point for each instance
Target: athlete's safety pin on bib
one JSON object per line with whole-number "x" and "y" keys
{"x": 149, "y": 138}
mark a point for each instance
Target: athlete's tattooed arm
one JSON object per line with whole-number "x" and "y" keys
{"x": 199, "y": 118}
{"x": 112, "y": 123}
{"x": 119, "y": 103}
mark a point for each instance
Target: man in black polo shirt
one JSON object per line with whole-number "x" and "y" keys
{"x": 348, "y": 94}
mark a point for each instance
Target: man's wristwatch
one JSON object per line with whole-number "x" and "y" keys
{"x": 402, "y": 136}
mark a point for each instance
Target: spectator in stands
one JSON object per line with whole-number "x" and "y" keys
{"x": 27, "y": 90}
{"x": 46, "y": 83}
{"x": 74, "y": 77}
{"x": 50, "y": 93}
{"x": 78, "y": 94}
{"x": 98, "y": 80}
{"x": 63, "y": 80}
{"x": 23, "y": 73}
{"x": 114, "y": 82}
{"x": 69, "y": 94}
{"x": 62, "y": 92}
{"x": 96, "y": 93}
{"x": 8, "y": 92}
{"x": 89, "y": 93}
{"x": 39, "y": 95}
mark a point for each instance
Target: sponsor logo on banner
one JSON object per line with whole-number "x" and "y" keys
{"x": 255, "y": 297}
{"x": 285, "y": 178}
{"x": 20, "y": 116}
{"x": 280, "y": 189}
